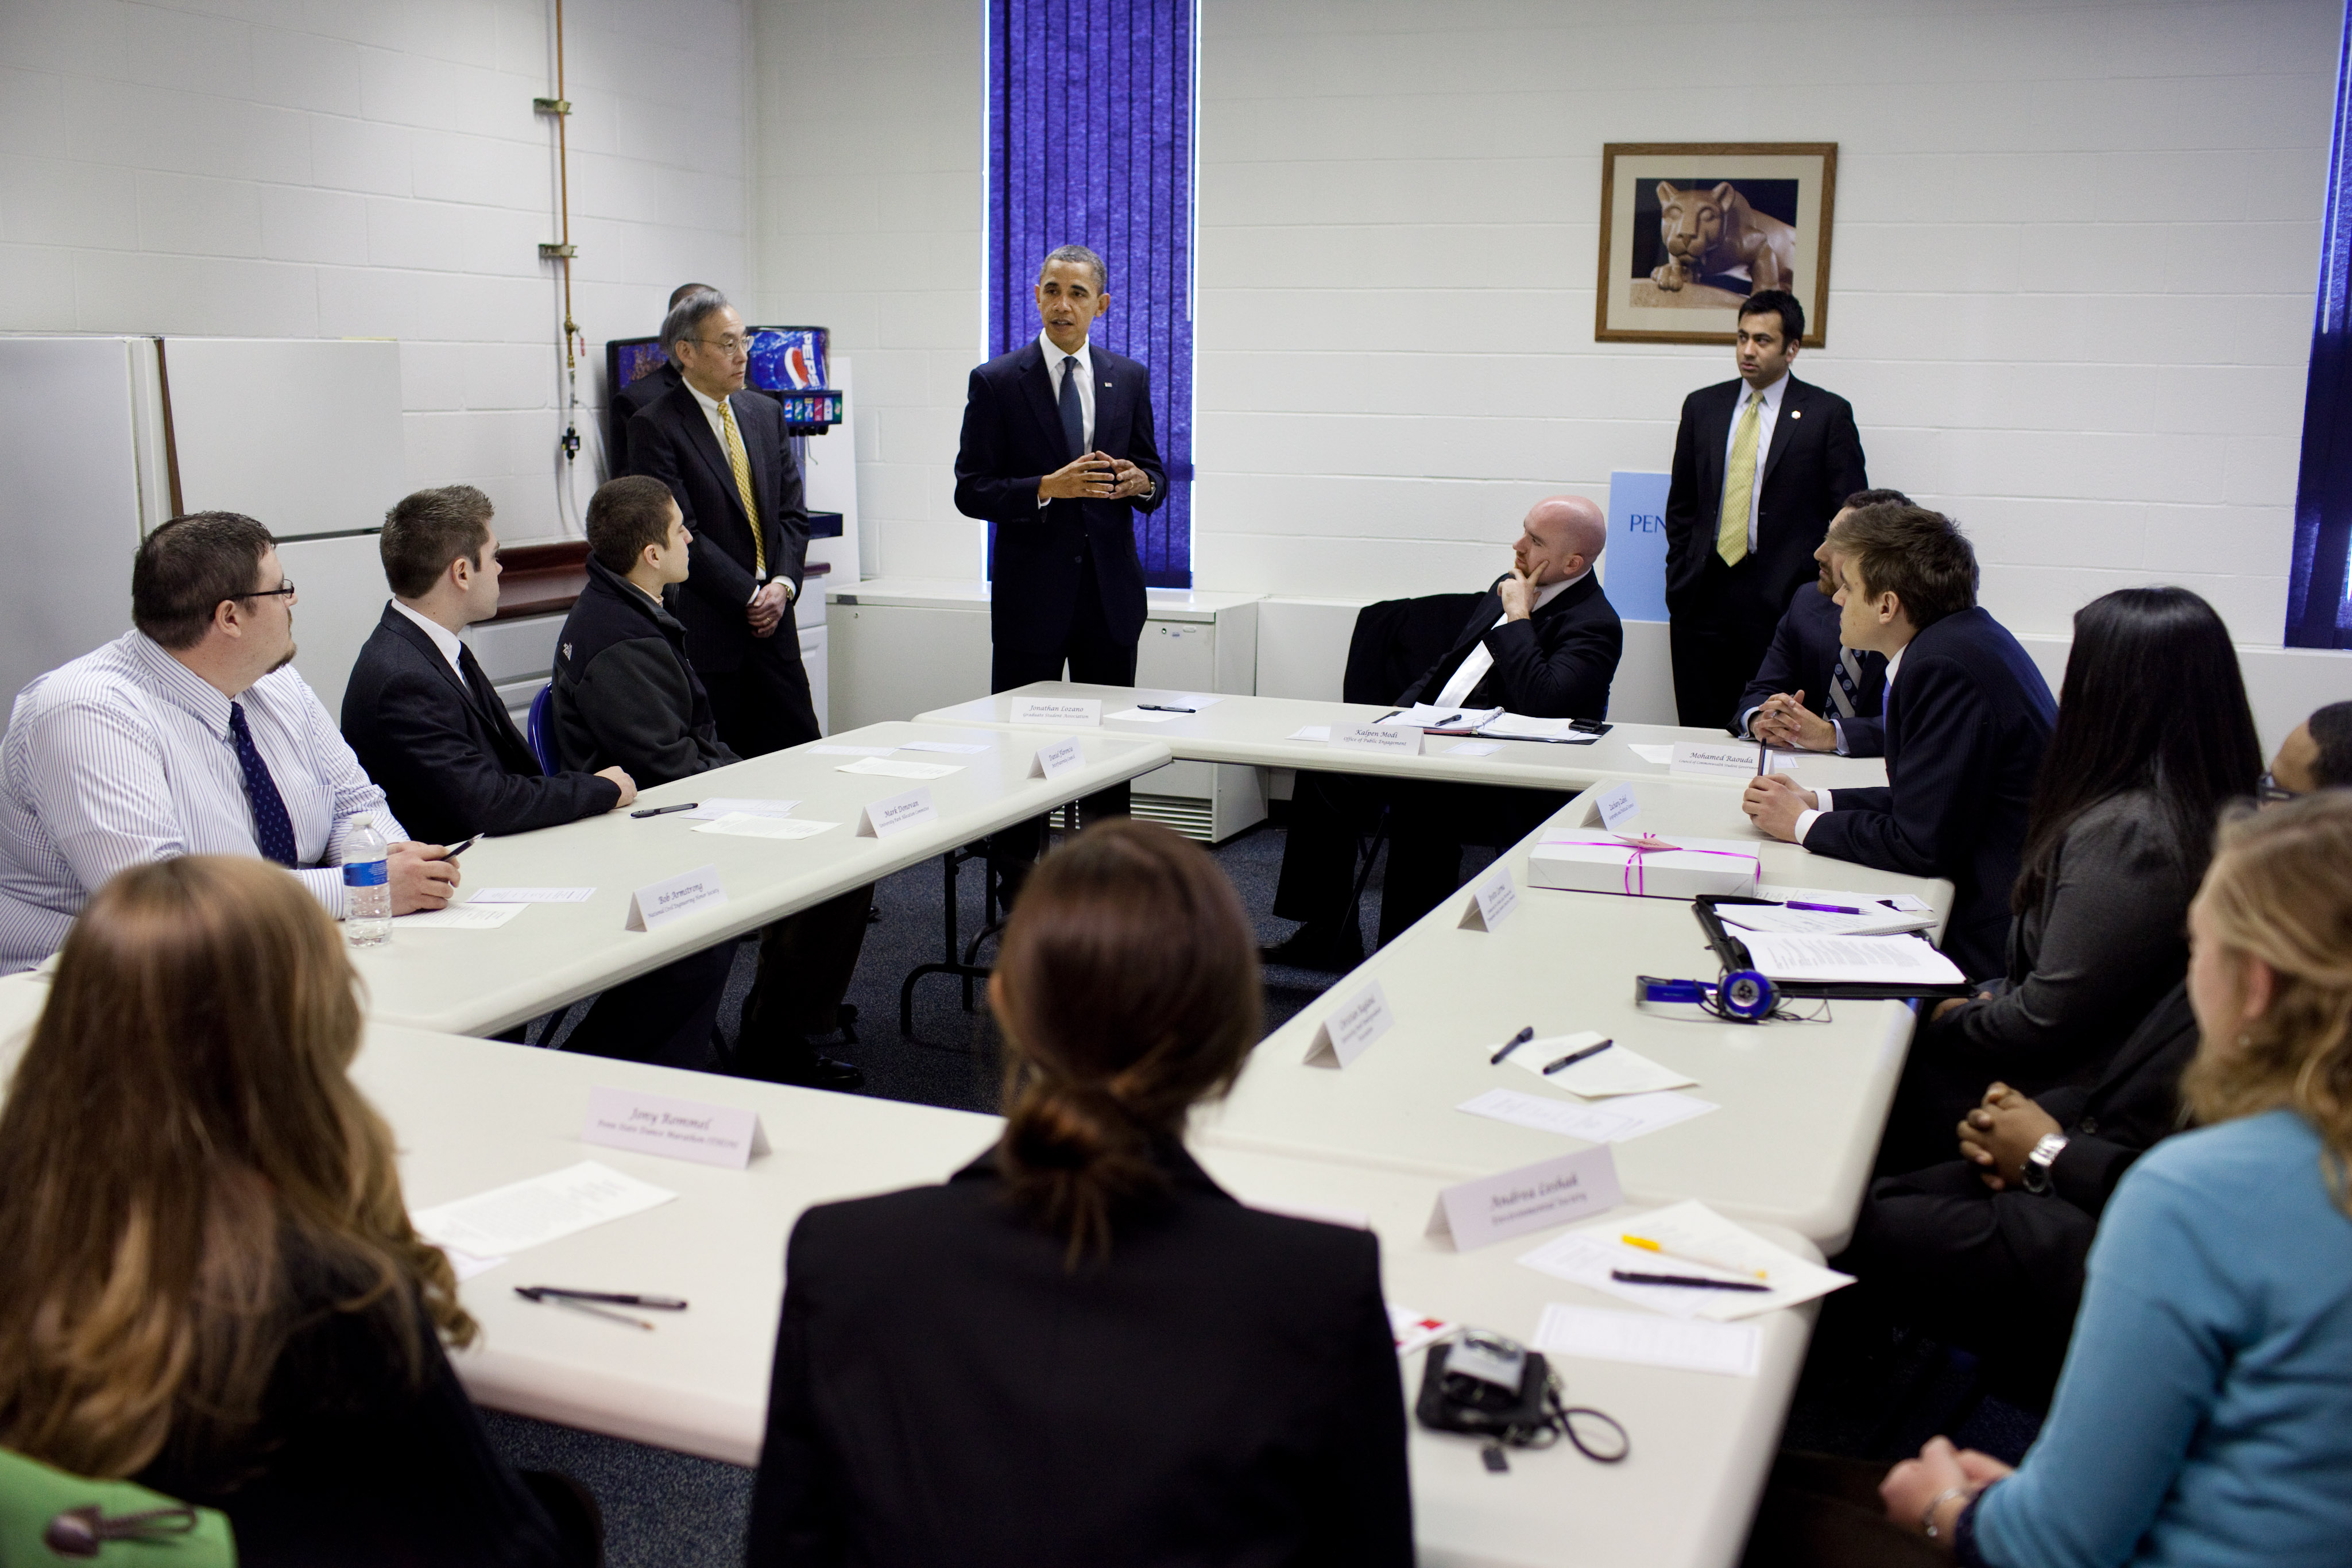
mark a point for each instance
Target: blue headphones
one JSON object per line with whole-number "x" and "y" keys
{"x": 1742, "y": 996}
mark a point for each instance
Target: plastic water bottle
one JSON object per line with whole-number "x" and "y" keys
{"x": 367, "y": 885}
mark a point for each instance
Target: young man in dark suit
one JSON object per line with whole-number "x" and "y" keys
{"x": 425, "y": 723}
{"x": 725, "y": 455}
{"x": 1058, "y": 451}
{"x": 1544, "y": 643}
{"x": 1813, "y": 693}
{"x": 626, "y": 693}
{"x": 1968, "y": 718}
{"x": 1761, "y": 464}
{"x": 630, "y": 400}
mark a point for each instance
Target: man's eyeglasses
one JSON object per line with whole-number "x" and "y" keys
{"x": 285, "y": 587}
{"x": 730, "y": 345}
{"x": 2269, "y": 792}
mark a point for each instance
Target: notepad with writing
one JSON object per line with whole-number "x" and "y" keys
{"x": 1862, "y": 961}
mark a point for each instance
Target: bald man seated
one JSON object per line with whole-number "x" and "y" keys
{"x": 1543, "y": 642}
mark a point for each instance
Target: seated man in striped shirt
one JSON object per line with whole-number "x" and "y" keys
{"x": 189, "y": 735}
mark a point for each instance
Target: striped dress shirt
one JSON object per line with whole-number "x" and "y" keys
{"x": 124, "y": 757}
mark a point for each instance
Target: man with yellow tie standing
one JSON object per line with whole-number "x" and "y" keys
{"x": 725, "y": 457}
{"x": 1761, "y": 464}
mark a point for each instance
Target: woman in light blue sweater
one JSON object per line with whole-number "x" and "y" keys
{"x": 2205, "y": 1413}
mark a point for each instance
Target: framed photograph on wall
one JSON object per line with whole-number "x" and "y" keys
{"x": 1689, "y": 229}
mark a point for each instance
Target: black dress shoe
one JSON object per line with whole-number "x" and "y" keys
{"x": 1334, "y": 948}
{"x": 815, "y": 1071}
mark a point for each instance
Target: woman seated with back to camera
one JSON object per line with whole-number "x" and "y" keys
{"x": 2154, "y": 735}
{"x": 1079, "y": 1349}
{"x": 212, "y": 1284}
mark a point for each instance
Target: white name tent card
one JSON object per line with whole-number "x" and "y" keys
{"x": 459, "y": 918}
{"x": 887, "y": 815}
{"x": 889, "y": 767}
{"x": 754, "y": 825}
{"x": 1719, "y": 759}
{"x": 1533, "y": 1198}
{"x": 1052, "y": 761}
{"x": 659, "y": 903}
{"x": 533, "y": 895}
{"x": 674, "y": 1129}
{"x": 714, "y": 807}
{"x": 544, "y": 1209}
{"x": 1598, "y": 1334}
{"x": 1614, "y": 809}
{"x": 1350, "y": 1028}
{"x": 1492, "y": 899}
{"x": 1083, "y": 712}
{"x": 1371, "y": 737}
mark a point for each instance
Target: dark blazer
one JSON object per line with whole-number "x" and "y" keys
{"x": 625, "y": 693}
{"x": 449, "y": 763}
{"x": 1813, "y": 464}
{"x": 1802, "y": 656}
{"x": 1968, "y": 718}
{"x": 1557, "y": 663}
{"x": 1223, "y": 1388}
{"x": 671, "y": 440}
{"x": 2104, "y": 942}
{"x": 627, "y": 403}
{"x": 1011, "y": 439}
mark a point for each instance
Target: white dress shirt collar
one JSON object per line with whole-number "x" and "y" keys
{"x": 443, "y": 638}
{"x": 180, "y": 686}
{"x": 1055, "y": 354}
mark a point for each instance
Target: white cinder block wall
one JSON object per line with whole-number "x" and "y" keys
{"x": 370, "y": 169}
{"x": 871, "y": 190}
{"x": 2075, "y": 248}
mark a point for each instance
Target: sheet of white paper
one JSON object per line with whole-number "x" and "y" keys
{"x": 1597, "y": 1333}
{"x": 528, "y": 1213}
{"x": 1614, "y": 1071}
{"x": 465, "y": 1265}
{"x": 884, "y": 767}
{"x": 1195, "y": 700}
{"x": 751, "y": 825}
{"x": 1880, "y": 960}
{"x": 714, "y": 807}
{"x": 1471, "y": 748}
{"x": 459, "y": 918}
{"x": 1136, "y": 716}
{"x": 1436, "y": 716}
{"x": 1627, "y": 1116}
{"x": 1520, "y": 726}
{"x": 955, "y": 748}
{"x": 850, "y": 750}
{"x": 1845, "y": 897}
{"x": 1779, "y": 921}
{"x": 1656, "y": 755}
{"x": 1318, "y": 733}
{"x": 1590, "y": 1257}
{"x": 533, "y": 895}
{"x": 1697, "y": 1240}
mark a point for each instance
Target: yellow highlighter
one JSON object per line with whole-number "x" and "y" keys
{"x": 1705, "y": 1255}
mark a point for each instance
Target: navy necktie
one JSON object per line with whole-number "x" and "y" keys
{"x": 273, "y": 831}
{"x": 1073, "y": 413}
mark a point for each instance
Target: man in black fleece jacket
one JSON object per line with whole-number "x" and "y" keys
{"x": 625, "y": 693}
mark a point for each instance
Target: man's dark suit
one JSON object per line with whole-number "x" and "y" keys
{"x": 1557, "y": 663}
{"x": 1803, "y": 658}
{"x": 1721, "y": 617}
{"x": 1223, "y": 1387}
{"x": 448, "y": 759}
{"x": 451, "y": 764}
{"x": 627, "y": 403}
{"x": 1065, "y": 582}
{"x": 1968, "y": 718}
{"x": 758, "y": 690}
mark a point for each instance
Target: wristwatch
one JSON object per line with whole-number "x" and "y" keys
{"x": 2034, "y": 1177}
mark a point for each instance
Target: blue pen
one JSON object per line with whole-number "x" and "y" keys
{"x": 1822, "y": 908}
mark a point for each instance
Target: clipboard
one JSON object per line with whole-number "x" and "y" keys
{"x": 1732, "y": 953}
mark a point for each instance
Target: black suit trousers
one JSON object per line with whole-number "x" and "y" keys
{"x": 664, "y": 1016}
{"x": 1428, "y": 826}
{"x": 1095, "y": 657}
{"x": 1719, "y": 630}
{"x": 763, "y": 705}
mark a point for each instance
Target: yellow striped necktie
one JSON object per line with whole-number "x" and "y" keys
{"x": 1738, "y": 487}
{"x": 742, "y": 467}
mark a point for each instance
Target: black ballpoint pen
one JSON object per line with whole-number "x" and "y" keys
{"x": 1573, "y": 1057}
{"x": 665, "y": 811}
{"x": 1513, "y": 1044}
{"x": 612, "y": 1298}
{"x": 1634, "y": 1277}
{"x": 1161, "y": 707}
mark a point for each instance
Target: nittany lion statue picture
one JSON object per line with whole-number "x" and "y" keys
{"x": 1709, "y": 232}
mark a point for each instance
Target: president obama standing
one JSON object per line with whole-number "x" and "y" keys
{"x": 1761, "y": 464}
{"x": 1058, "y": 451}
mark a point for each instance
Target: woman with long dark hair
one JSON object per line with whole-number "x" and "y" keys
{"x": 211, "y": 1285}
{"x": 1079, "y": 1349}
{"x": 2154, "y": 737}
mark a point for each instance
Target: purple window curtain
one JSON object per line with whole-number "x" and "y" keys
{"x": 2319, "y": 589}
{"x": 1091, "y": 142}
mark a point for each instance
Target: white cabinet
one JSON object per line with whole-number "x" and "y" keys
{"x": 901, "y": 646}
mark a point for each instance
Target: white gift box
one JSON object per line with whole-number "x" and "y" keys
{"x": 1604, "y": 862}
